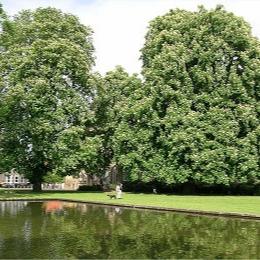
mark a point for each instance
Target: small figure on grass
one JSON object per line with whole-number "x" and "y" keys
{"x": 111, "y": 195}
{"x": 115, "y": 192}
{"x": 111, "y": 191}
{"x": 118, "y": 191}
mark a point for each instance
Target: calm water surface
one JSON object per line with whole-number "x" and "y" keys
{"x": 57, "y": 229}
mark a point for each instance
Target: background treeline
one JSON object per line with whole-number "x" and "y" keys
{"x": 190, "y": 123}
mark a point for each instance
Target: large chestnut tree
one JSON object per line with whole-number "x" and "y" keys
{"x": 45, "y": 94}
{"x": 198, "y": 120}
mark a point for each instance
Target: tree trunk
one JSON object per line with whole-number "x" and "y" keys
{"x": 37, "y": 186}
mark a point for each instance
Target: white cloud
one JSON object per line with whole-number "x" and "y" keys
{"x": 120, "y": 25}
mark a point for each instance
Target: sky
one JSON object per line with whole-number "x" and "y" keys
{"x": 120, "y": 25}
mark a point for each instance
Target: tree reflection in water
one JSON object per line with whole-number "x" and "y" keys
{"x": 57, "y": 229}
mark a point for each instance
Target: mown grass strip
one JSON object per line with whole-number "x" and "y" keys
{"x": 221, "y": 204}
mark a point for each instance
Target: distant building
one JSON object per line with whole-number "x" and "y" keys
{"x": 13, "y": 180}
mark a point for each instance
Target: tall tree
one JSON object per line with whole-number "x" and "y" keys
{"x": 112, "y": 99}
{"x": 199, "y": 118}
{"x": 45, "y": 89}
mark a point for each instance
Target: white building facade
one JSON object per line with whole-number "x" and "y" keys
{"x": 13, "y": 180}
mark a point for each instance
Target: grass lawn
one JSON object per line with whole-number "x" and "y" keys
{"x": 234, "y": 204}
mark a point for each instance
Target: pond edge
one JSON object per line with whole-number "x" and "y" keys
{"x": 186, "y": 211}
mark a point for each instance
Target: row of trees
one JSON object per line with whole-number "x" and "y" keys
{"x": 192, "y": 118}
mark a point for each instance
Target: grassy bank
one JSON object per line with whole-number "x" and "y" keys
{"x": 230, "y": 204}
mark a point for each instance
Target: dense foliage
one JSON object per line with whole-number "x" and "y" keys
{"x": 113, "y": 99}
{"x": 45, "y": 81}
{"x": 193, "y": 118}
{"x": 198, "y": 120}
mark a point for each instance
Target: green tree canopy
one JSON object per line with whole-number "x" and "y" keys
{"x": 45, "y": 90}
{"x": 198, "y": 120}
{"x": 113, "y": 97}
{"x": 194, "y": 118}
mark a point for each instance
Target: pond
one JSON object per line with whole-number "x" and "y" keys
{"x": 55, "y": 229}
